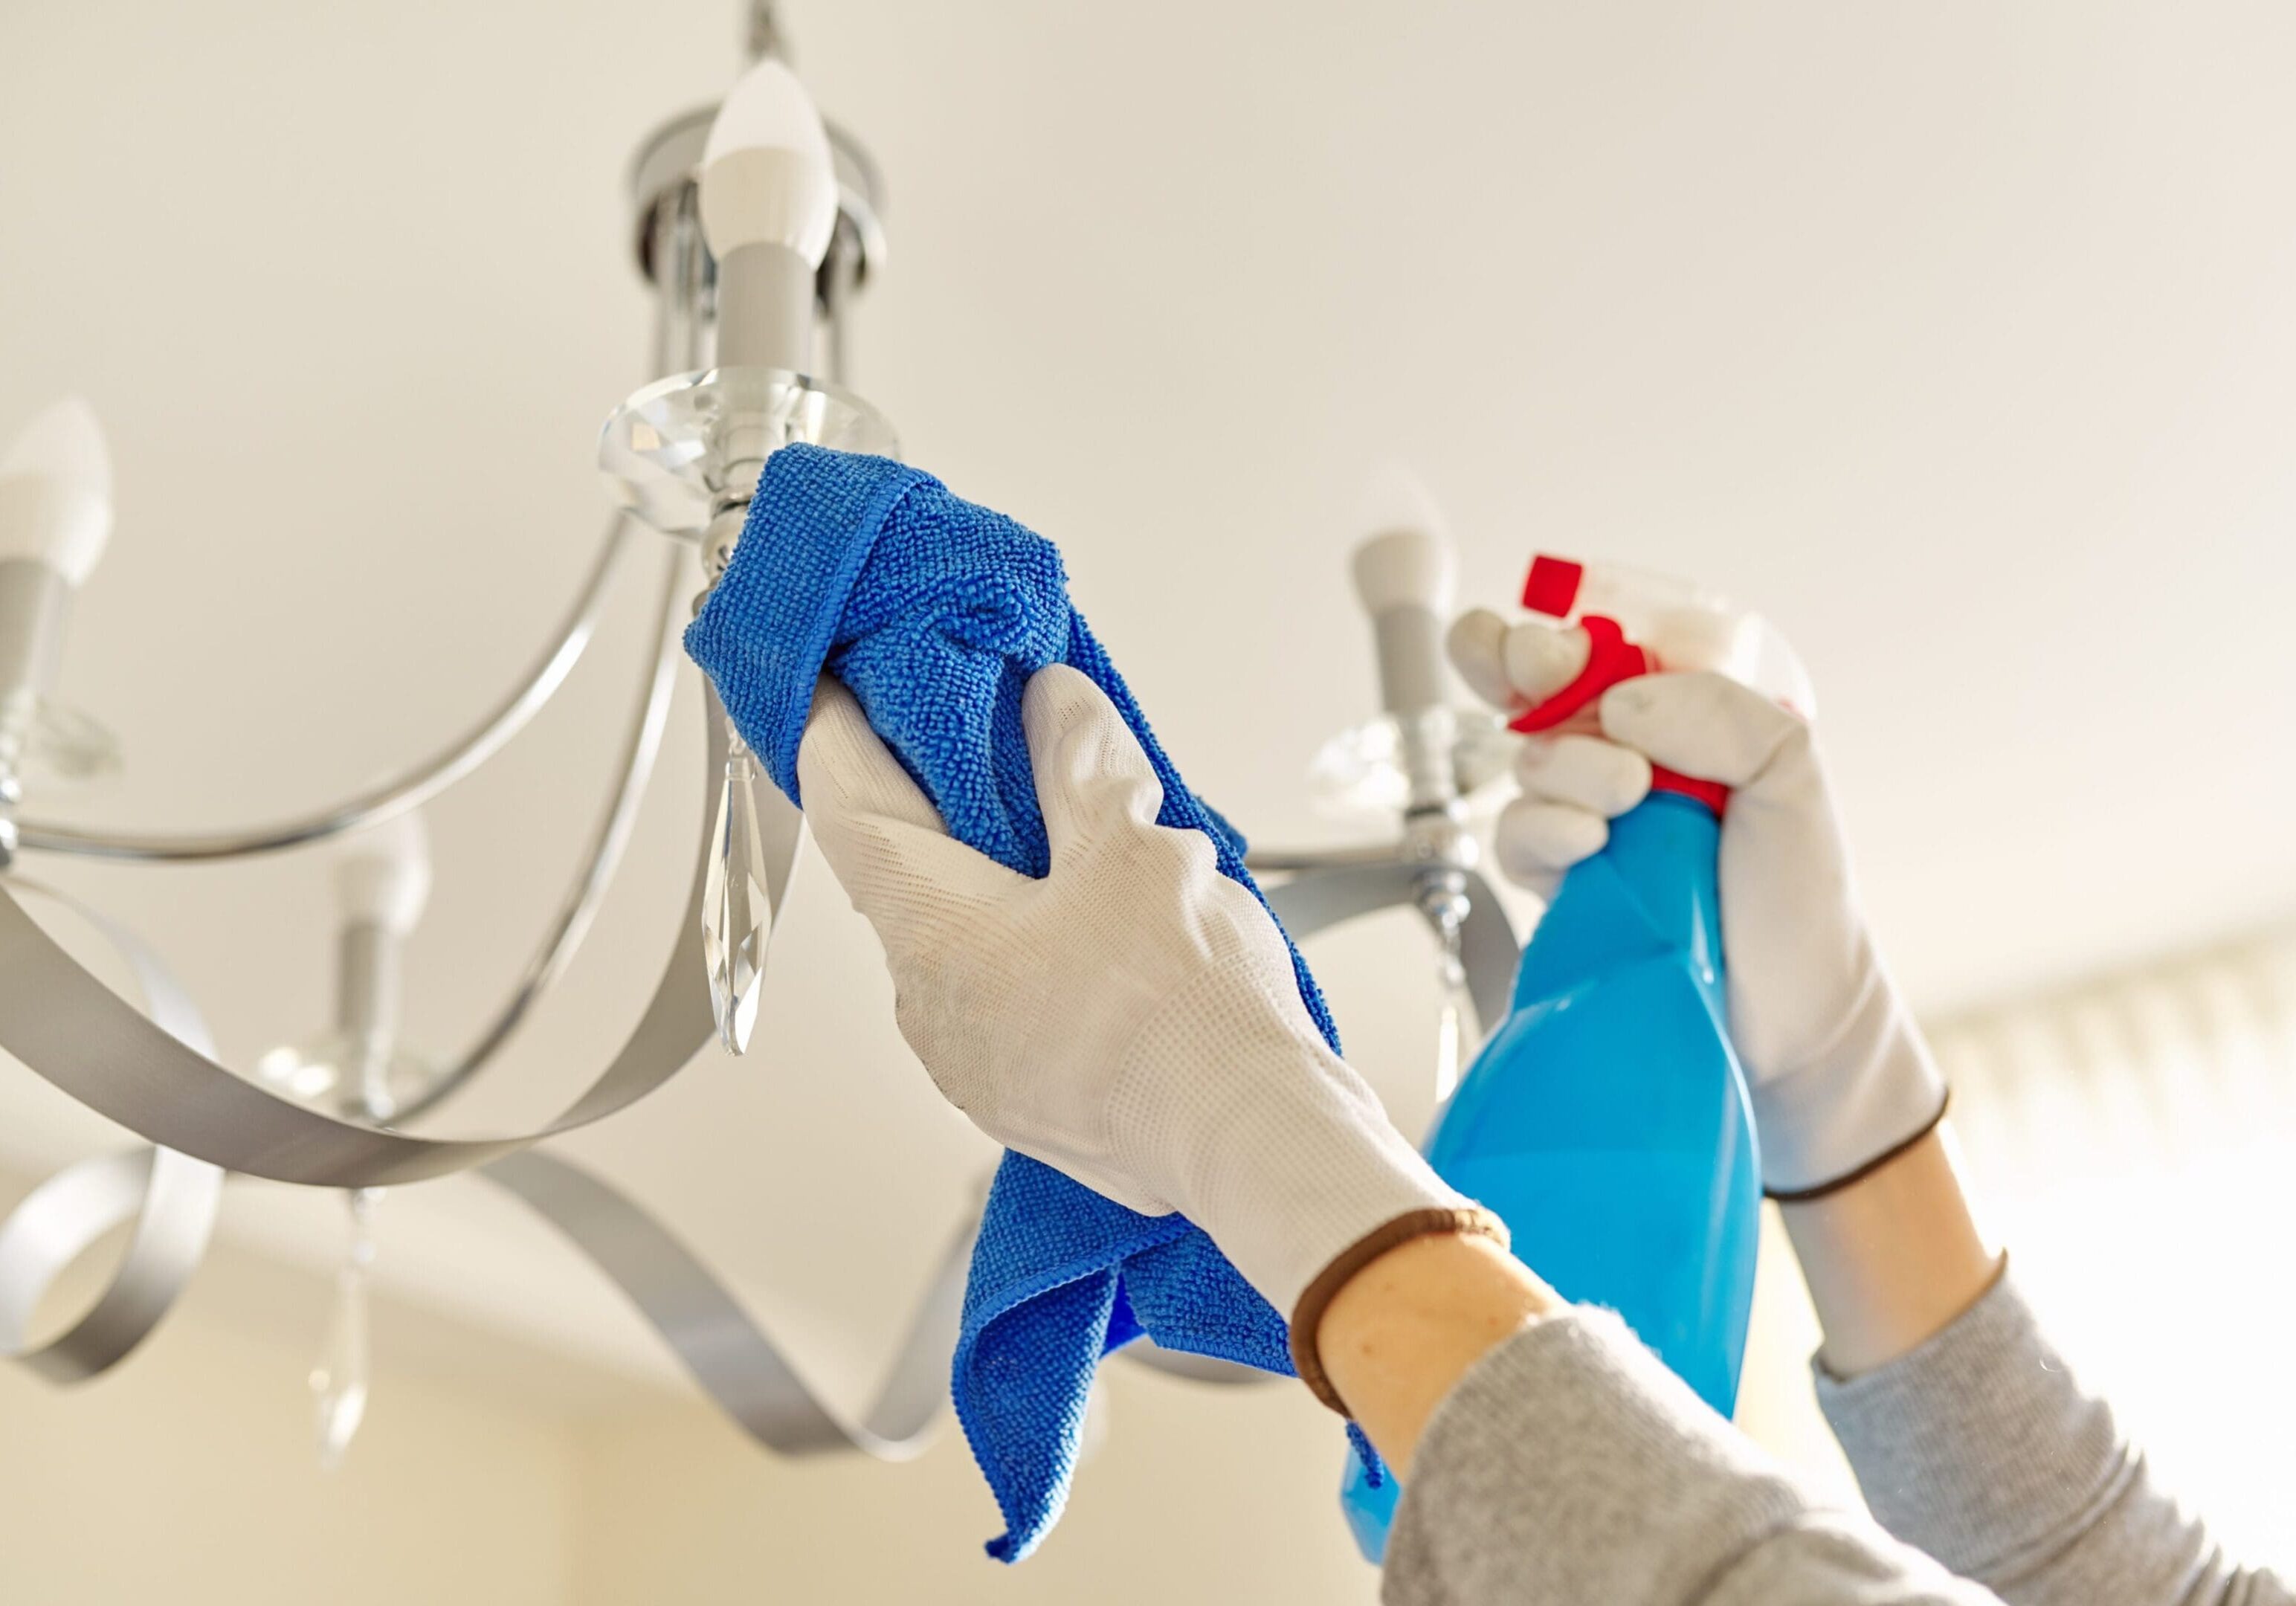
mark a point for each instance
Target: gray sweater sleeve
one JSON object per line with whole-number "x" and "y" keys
{"x": 1982, "y": 1448}
{"x": 1569, "y": 1467}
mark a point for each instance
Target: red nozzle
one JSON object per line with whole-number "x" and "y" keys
{"x": 1552, "y": 585}
{"x": 1551, "y": 589}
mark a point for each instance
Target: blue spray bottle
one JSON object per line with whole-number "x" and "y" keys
{"x": 1606, "y": 1119}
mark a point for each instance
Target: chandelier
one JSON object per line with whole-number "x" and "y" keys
{"x": 756, "y": 224}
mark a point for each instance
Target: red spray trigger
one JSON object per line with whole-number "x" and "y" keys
{"x": 1611, "y": 658}
{"x": 1552, "y": 588}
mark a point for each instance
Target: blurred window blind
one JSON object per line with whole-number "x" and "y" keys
{"x": 2134, "y": 1142}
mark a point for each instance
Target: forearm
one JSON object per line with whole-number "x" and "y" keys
{"x": 1550, "y": 1457}
{"x": 1567, "y": 1466}
{"x": 1892, "y": 1259}
{"x": 1983, "y": 1448}
{"x": 1971, "y": 1437}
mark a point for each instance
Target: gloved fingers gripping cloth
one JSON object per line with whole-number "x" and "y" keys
{"x": 937, "y": 615}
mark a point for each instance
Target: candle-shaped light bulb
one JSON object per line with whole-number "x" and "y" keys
{"x": 1405, "y": 559}
{"x": 768, "y": 207}
{"x": 1422, "y": 755}
{"x": 767, "y": 175}
{"x": 1406, "y": 576}
{"x": 383, "y": 877}
{"x": 358, "y": 1067}
{"x": 55, "y": 491}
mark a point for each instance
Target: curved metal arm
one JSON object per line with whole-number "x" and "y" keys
{"x": 604, "y": 857}
{"x": 171, "y": 1198}
{"x": 67, "y": 1027}
{"x": 734, "y": 1361}
{"x": 1289, "y": 861}
{"x": 1488, "y": 945}
{"x": 409, "y": 788}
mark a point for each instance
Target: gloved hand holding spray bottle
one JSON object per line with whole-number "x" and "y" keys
{"x": 1607, "y": 1119}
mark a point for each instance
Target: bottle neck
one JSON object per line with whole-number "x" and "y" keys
{"x": 1713, "y": 795}
{"x": 1650, "y": 895}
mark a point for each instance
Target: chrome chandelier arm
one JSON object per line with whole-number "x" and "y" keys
{"x": 736, "y": 1363}
{"x": 171, "y": 1198}
{"x": 68, "y": 1027}
{"x": 640, "y": 750}
{"x": 409, "y": 788}
{"x": 1488, "y": 948}
{"x": 1336, "y": 894}
{"x": 1490, "y": 952}
{"x": 1285, "y": 861}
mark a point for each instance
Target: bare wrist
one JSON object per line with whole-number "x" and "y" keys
{"x": 1308, "y": 1316}
{"x": 1893, "y": 1258}
{"x": 1399, "y": 1334}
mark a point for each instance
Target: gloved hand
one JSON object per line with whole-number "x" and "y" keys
{"x": 1132, "y": 1019}
{"x": 1840, "y": 1076}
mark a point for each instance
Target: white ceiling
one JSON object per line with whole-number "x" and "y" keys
{"x": 1960, "y": 339}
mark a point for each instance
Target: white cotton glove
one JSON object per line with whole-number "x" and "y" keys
{"x": 1131, "y": 1019}
{"x": 1840, "y": 1076}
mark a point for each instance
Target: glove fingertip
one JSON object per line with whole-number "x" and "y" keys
{"x": 844, "y": 767}
{"x": 1700, "y": 722}
{"x": 1089, "y": 762}
{"x": 1061, "y": 706}
{"x": 1541, "y": 658}
{"x": 1583, "y": 772}
{"x": 1537, "y": 839}
{"x": 1475, "y": 645}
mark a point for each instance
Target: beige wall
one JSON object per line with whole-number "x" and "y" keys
{"x": 186, "y": 1478}
{"x": 489, "y": 1476}
{"x": 1198, "y": 1494}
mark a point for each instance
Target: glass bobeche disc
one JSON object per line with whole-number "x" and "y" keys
{"x": 1360, "y": 770}
{"x": 670, "y": 451}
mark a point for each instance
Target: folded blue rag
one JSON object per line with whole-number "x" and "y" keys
{"x": 936, "y": 612}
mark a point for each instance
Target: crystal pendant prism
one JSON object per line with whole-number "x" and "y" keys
{"x": 340, "y": 1376}
{"x": 736, "y": 910}
{"x": 1442, "y": 896}
{"x": 1455, "y": 1038}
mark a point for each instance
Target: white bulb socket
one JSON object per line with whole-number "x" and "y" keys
{"x": 1407, "y": 578}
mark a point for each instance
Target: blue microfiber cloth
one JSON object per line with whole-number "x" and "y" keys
{"x": 936, "y": 612}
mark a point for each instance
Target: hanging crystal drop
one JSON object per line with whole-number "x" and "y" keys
{"x": 1446, "y": 1049}
{"x": 340, "y": 1379}
{"x": 735, "y": 909}
{"x": 1455, "y": 1039}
